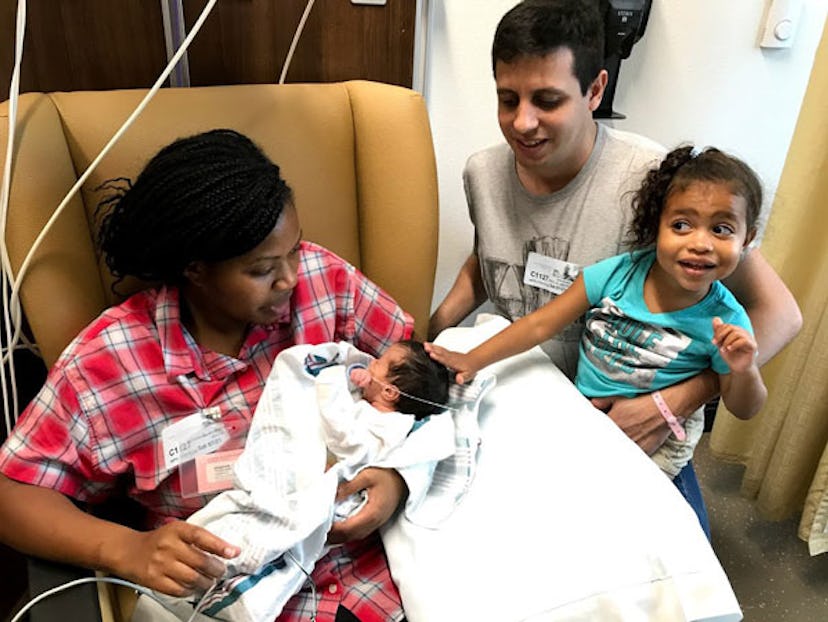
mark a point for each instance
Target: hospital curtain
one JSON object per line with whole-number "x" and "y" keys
{"x": 785, "y": 447}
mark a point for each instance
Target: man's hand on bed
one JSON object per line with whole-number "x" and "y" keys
{"x": 638, "y": 417}
{"x": 386, "y": 490}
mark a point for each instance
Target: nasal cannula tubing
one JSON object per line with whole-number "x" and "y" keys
{"x": 11, "y": 306}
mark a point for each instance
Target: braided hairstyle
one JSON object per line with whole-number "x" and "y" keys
{"x": 209, "y": 197}
{"x": 419, "y": 375}
{"x": 679, "y": 169}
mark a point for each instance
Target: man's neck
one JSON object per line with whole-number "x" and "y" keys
{"x": 540, "y": 182}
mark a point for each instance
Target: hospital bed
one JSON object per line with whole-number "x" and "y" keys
{"x": 561, "y": 517}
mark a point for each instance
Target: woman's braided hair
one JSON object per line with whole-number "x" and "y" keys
{"x": 680, "y": 168}
{"x": 209, "y": 197}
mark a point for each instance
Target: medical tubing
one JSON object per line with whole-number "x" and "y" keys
{"x": 312, "y": 585}
{"x": 77, "y": 582}
{"x": 150, "y": 94}
{"x": 201, "y": 601}
{"x": 295, "y": 40}
{"x": 10, "y": 411}
{"x": 11, "y": 306}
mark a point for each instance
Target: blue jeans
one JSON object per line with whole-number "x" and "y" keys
{"x": 688, "y": 486}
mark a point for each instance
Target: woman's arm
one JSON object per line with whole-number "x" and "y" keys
{"x": 174, "y": 559}
{"x": 465, "y": 296}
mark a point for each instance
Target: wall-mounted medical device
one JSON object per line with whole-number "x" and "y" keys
{"x": 624, "y": 24}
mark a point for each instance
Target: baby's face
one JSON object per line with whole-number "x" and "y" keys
{"x": 380, "y": 370}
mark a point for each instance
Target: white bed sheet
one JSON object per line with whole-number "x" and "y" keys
{"x": 566, "y": 519}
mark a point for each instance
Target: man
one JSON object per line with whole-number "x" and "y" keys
{"x": 555, "y": 197}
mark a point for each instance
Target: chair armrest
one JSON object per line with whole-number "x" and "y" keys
{"x": 80, "y": 603}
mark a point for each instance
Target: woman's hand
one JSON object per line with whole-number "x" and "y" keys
{"x": 386, "y": 490}
{"x": 454, "y": 361}
{"x": 176, "y": 559}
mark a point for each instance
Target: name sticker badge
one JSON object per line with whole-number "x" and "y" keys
{"x": 214, "y": 472}
{"x": 193, "y": 436}
{"x": 548, "y": 273}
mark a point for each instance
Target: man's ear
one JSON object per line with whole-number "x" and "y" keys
{"x": 595, "y": 91}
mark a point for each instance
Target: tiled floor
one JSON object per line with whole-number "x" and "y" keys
{"x": 773, "y": 576}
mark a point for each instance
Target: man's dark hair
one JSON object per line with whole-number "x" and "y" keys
{"x": 208, "y": 197}
{"x": 539, "y": 27}
{"x": 421, "y": 376}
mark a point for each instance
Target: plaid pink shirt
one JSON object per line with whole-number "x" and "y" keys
{"x": 95, "y": 427}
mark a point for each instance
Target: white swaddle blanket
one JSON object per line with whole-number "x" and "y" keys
{"x": 567, "y": 519}
{"x": 282, "y": 506}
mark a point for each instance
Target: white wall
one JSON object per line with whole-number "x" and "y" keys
{"x": 697, "y": 74}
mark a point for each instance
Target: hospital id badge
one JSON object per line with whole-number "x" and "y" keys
{"x": 198, "y": 433}
{"x": 550, "y": 274}
{"x": 204, "y": 447}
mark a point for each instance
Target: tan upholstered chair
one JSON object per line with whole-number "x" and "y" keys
{"x": 358, "y": 155}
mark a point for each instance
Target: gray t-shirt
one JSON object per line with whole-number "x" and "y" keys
{"x": 582, "y": 223}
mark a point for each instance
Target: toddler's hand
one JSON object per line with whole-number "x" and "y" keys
{"x": 361, "y": 377}
{"x": 736, "y": 345}
{"x": 454, "y": 361}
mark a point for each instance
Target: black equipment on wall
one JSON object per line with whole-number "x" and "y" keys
{"x": 624, "y": 24}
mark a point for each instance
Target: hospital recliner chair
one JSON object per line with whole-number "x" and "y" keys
{"x": 358, "y": 155}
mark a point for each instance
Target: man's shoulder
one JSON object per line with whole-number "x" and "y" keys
{"x": 625, "y": 157}
{"x": 495, "y": 156}
{"x": 633, "y": 141}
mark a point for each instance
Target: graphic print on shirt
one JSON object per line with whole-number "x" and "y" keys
{"x": 514, "y": 298}
{"x": 626, "y": 349}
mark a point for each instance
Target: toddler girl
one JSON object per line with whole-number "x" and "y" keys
{"x": 659, "y": 314}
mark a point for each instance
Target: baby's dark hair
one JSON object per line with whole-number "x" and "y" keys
{"x": 679, "y": 169}
{"x": 421, "y": 376}
{"x": 539, "y": 27}
{"x": 209, "y": 197}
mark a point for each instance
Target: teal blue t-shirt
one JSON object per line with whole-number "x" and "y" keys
{"x": 626, "y": 350}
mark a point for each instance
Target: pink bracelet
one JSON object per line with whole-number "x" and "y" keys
{"x": 669, "y": 417}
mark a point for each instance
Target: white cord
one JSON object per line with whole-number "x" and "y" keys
{"x": 76, "y": 582}
{"x": 201, "y": 601}
{"x": 150, "y": 94}
{"x": 295, "y": 40}
{"x": 12, "y": 303}
{"x": 11, "y": 307}
{"x": 10, "y": 410}
{"x": 312, "y": 585}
